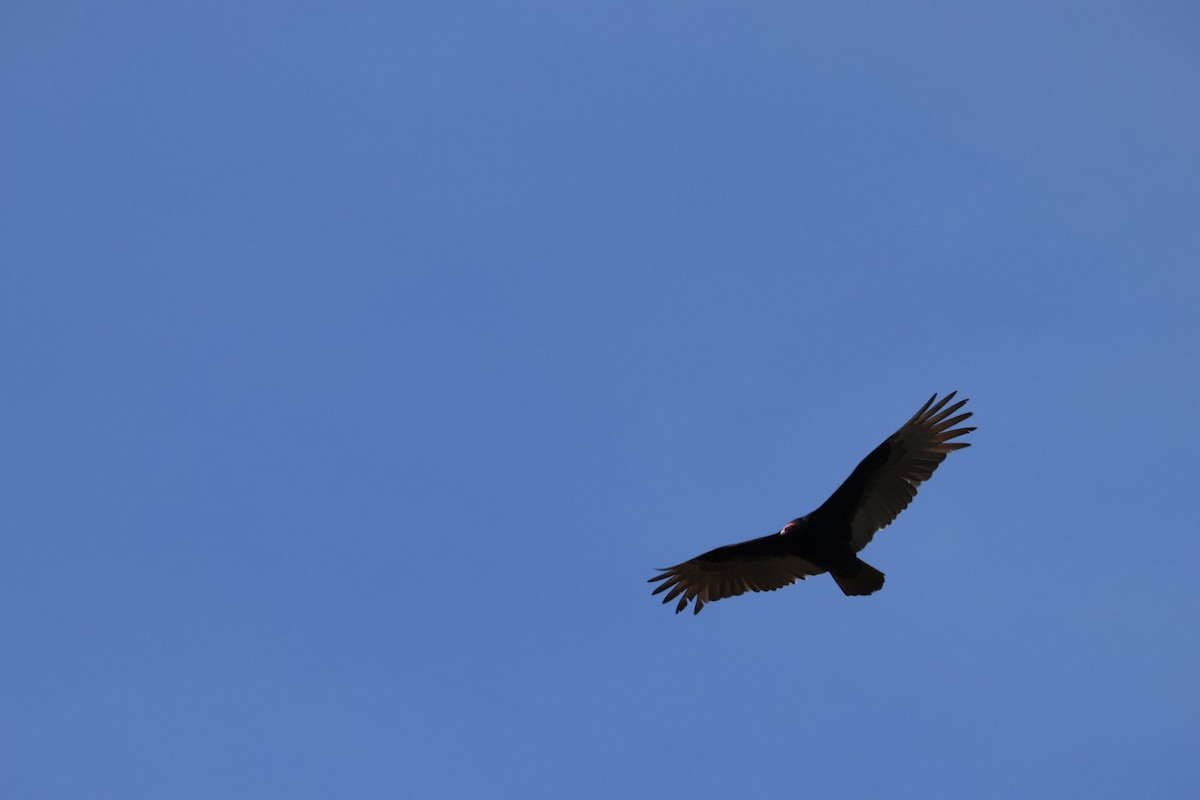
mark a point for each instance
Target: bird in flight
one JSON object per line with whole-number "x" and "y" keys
{"x": 827, "y": 540}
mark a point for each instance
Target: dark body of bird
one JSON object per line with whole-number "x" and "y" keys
{"x": 828, "y": 539}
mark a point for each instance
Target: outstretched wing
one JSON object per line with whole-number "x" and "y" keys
{"x": 886, "y": 481}
{"x": 759, "y": 565}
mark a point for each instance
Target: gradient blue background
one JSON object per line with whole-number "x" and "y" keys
{"x": 358, "y": 361}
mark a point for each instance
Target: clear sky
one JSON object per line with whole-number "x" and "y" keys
{"x": 360, "y": 361}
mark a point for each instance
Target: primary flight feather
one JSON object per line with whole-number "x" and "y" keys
{"x": 828, "y": 539}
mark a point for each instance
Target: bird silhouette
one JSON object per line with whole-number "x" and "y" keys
{"x": 828, "y": 539}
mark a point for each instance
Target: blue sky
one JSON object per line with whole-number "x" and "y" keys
{"x": 361, "y": 360}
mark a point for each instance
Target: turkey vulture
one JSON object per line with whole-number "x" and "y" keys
{"x": 827, "y": 539}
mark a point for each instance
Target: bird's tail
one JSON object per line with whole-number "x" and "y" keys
{"x": 864, "y": 580}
